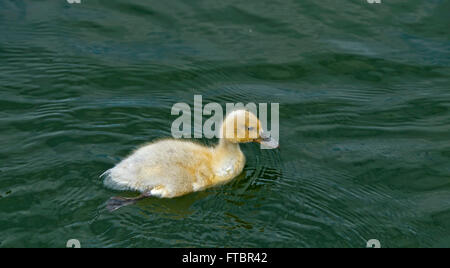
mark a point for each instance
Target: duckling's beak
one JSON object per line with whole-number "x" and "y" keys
{"x": 267, "y": 141}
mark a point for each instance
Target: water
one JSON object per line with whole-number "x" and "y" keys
{"x": 364, "y": 120}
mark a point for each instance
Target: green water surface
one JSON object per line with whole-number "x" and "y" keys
{"x": 364, "y": 95}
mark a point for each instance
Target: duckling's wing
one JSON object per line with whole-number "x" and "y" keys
{"x": 171, "y": 164}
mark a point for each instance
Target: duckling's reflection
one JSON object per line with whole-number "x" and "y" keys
{"x": 238, "y": 223}
{"x": 173, "y": 208}
{"x": 181, "y": 207}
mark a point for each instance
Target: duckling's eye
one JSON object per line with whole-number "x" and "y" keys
{"x": 250, "y": 128}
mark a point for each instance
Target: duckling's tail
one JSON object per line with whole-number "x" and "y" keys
{"x": 106, "y": 173}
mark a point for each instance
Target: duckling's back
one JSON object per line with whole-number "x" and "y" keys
{"x": 166, "y": 168}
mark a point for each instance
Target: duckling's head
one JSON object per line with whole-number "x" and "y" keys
{"x": 242, "y": 126}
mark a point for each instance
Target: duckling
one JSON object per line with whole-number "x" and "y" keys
{"x": 172, "y": 167}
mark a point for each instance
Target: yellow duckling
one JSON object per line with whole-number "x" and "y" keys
{"x": 172, "y": 167}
